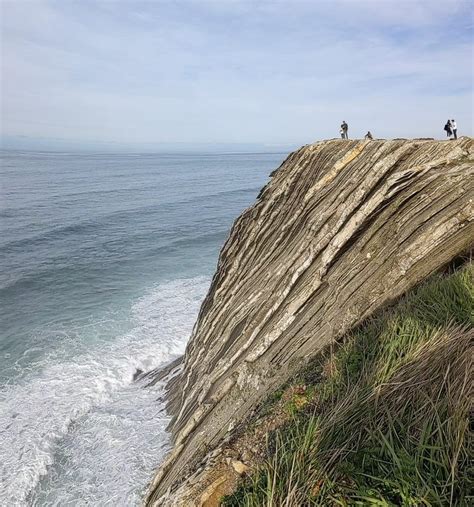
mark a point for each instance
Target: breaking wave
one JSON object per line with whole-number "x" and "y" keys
{"x": 78, "y": 430}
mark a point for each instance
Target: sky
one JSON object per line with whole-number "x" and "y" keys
{"x": 132, "y": 75}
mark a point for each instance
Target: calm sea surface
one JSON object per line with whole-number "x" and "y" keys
{"x": 104, "y": 261}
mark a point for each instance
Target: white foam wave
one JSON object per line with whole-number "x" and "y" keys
{"x": 81, "y": 432}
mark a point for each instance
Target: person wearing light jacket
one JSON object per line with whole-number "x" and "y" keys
{"x": 454, "y": 128}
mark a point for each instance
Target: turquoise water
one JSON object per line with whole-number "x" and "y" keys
{"x": 104, "y": 261}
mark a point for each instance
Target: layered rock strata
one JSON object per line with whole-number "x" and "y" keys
{"x": 342, "y": 228}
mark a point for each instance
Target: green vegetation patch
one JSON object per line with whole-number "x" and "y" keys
{"x": 384, "y": 419}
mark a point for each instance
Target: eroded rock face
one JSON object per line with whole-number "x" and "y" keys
{"x": 342, "y": 228}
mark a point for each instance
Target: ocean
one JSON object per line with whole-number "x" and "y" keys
{"x": 104, "y": 262}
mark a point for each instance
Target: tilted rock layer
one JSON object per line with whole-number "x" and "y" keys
{"x": 343, "y": 228}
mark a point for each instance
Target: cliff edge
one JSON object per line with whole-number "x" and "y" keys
{"x": 342, "y": 229}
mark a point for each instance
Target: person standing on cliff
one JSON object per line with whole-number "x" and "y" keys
{"x": 447, "y": 127}
{"x": 344, "y": 128}
{"x": 454, "y": 128}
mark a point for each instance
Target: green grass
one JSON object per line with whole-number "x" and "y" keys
{"x": 388, "y": 424}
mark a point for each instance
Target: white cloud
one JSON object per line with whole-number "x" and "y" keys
{"x": 284, "y": 72}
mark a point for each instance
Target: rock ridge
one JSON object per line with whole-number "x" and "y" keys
{"x": 341, "y": 229}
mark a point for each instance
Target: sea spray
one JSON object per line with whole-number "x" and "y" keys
{"x": 81, "y": 432}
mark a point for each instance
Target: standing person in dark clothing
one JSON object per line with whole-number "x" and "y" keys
{"x": 447, "y": 127}
{"x": 344, "y": 128}
{"x": 454, "y": 128}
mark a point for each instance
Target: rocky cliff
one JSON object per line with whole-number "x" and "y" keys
{"x": 343, "y": 228}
